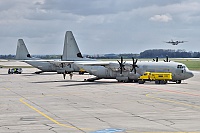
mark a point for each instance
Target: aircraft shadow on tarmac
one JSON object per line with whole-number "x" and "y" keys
{"x": 34, "y": 74}
{"x": 82, "y": 83}
{"x": 4, "y": 74}
{"x": 169, "y": 83}
{"x": 30, "y": 74}
{"x": 76, "y": 83}
{"x": 23, "y": 74}
{"x": 105, "y": 82}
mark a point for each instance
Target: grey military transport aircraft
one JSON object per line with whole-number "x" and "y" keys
{"x": 131, "y": 71}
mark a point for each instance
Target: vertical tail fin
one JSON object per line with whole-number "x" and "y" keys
{"x": 71, "y": 50}
{"x": 22, "y": 52}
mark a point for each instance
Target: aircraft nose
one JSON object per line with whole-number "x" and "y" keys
{"x": 190, "y": 74}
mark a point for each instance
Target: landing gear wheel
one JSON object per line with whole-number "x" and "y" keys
{"x": 135, "y": 81}
{"x": 178, "y": 81}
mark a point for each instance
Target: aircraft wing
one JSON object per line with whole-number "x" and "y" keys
{"x": 113, "y": 65}
{"x": 79, "y": 63}
{"x": 61, "y": 63}
{"x": 182, "y": 41}
{"x": 93, "y": 63}
{"x": 39, "y": 60}
{"x": 99, "y": 63}
{"x": 168, "y": 42}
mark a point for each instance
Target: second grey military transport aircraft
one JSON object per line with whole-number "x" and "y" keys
{"x": 71, "y": 53}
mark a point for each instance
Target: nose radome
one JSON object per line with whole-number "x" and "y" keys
{"x": 190, "y": 74}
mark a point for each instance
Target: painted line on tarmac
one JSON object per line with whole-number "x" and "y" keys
{"x": 49, "y": 118}
{"x": 109, "y": 130}
{"x": 171, "y": 101}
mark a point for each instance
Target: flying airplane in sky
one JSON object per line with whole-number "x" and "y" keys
{"x": 128, "y": 72}
{"x": 71, "y": 53}
{"x": 175, "y": 42}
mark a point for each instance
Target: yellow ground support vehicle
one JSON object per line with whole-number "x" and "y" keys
{"x": 81, "y": 71}
{"x": 158, "y": 77}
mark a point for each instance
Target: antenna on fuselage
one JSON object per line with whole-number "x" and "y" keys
{"x": 167, "y": 59}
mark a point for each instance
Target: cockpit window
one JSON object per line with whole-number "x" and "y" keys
{"x": 181, "y": 66}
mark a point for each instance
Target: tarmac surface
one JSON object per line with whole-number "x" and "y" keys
{"x": 46, "y": 103}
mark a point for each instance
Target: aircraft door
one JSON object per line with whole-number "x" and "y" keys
{"x": 51, "y": 67}
{"x": 107, "y": 73}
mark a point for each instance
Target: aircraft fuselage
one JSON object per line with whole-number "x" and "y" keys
{"x": 179, "y": 71}
{"x": 46, "y": 66}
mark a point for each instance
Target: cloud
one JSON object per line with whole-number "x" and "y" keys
{"x": 100, "y": 7}
{"x": 100, "y": 26}
{"x": 161, "y": 18}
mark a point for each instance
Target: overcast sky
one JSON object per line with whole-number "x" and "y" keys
{"x": 99, "y": 26}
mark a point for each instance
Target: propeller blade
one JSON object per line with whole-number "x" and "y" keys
{"x": 135, "y": 70}
{"x": 134, "y": 65}
{"x": 121, "y": 65}
{"x": 118, "y": 61}
{"x": 120, "y": 71}
{"x": 136, "y": 61}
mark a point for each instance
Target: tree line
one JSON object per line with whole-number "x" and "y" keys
{"x": 161, "y": 53}
{"x": 152, "y": 53}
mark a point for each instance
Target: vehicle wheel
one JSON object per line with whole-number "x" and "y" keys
{"x": 163, "y": 82}
{"x": 141, "y": 81}
{"x": 81, "y": 73}
{"x": 178, "y": 81}
{"x": 157, "y": 82}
